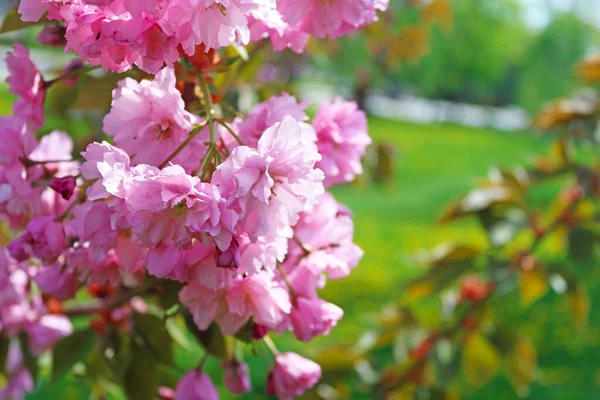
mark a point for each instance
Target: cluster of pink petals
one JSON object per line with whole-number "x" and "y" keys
{"x": 256, "y": 296}
{"x": 196, "y": 385}
{"x": 252, "y": 243}
{"x": 119, "y": 34}
{"x": 292, "y": 375}
{"x": 22, "y": 311}
{"x": 25, "y": 81}
{"x": 267, "y": 114}
{"x": 20, "y": 380}
{"x": 342, "y": 139}
{"x": 148, "y": 120}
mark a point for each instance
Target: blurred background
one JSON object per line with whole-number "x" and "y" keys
{"x": 451, "y": 88}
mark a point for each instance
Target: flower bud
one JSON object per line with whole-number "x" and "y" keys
{"x": 237, "y": 378}
{"x": 292, "y": 375}
{"x": 53, "y": 35}
{"x": 165, "y": 393}
{"x": 64, "y": 186}
{"x": 259, "y": 331}
{"x": 196, "y": 385}
{"x": 313, "y": 317}
{"x": 61, "y": 283}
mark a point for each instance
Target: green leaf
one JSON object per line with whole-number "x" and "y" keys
{"x": 521, "y": 365}
{"x": 141, "y": 378}
{"x": 169, "y": 293}
{"x": 4, "y": 345}
{"x": 448, "y": 262}
{"x": 245, "y": 332}
{"x": 533, "y": 285}
{"x": 60, "y": 98}
{"x": 96, "y": 93}
{"x": 177, "y": 329}
{"x": 154, "y": 333}
{"x": 581, "y": 244}
{"x": 71, "y": 350}
{"x": 212, "y": 340}
{"x": 28, "y": 357}
{"x": 231, "y": 60}
{"x": 579, "y": 305}
{"x": 12, "y": 22}
{"x": 481, "y": 361}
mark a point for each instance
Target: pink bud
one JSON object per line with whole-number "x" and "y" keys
{"x": 61, "y": 283}
{"x": 165, "y": 393}
{"x": 259, "y": 331}
{"x": 53, "y": 35}
{"x": 65, "y": 186}
{"x": 196, "y": 385}
{"x": 237, "y": 378}
{"x": 314, "y": 317}
{"x": 292, "y": 375}
{"x": 69, "y": 76}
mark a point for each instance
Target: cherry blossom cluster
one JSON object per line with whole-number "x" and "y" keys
{"x": 237, "y": 212}
{"x": 119, "y": 34}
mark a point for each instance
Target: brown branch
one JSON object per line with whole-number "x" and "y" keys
{"x": 107, "y": 303}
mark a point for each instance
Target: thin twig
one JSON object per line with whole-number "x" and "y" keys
{"x": 235, "y": 136}
{"x": 182, "y": 145}
{"x": 269, "y": 342}
{"x": 107, "y": 303}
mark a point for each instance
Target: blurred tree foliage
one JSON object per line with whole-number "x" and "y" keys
{"x": 550, "y": 56}
{"x": 479, "y": 51}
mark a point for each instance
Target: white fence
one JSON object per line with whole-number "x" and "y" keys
{"x": 415, "y": 109}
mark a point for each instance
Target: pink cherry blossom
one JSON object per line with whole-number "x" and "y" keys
{"x": 256, "y": 296}
{"x": 312, "y": 317}
{"x": 204, "y": 264}
{"x": 342, "y": 140}
{"x": 327, "y": 232}
{"x": 292, "y": 375}
{"x": 333, "y": 18}
{"x": 267, "y": 114}
{"x": 171, "y": 207}
{"x": 272, "y": 25}
{"x": 43, "y": 238}
{"x": 58, "y": 281}
{"x": 236, "y": 376}
{"x": 26, "y": 82}
{"x": 271, "y": 184}
{"x": 47, "y": 331}
{"x": 149, "y": 121}
{"x": 32, "y": 10}
{"x": 106, "y": 165}
{"x": 196, "y": 385}
{"x": 92, "y": 224}
{"x": 13, "y": 280}
{"x": 20, "y": 380}
{"x": 214, "y": 23}
{"x": 19, "y": 200}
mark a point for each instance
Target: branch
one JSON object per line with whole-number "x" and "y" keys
{"x": 178, "y": 150}
{"x": 107, "y": 303}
